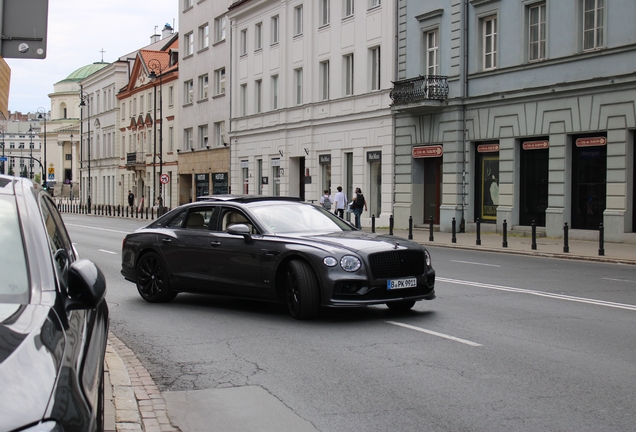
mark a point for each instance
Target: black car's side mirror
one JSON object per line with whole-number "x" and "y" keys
{"x": 86, "y": 285}
{"x": 240, "y": 229}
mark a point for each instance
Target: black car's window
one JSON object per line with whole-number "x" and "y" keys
{"x": 298, "y": 218}
{"x": 232, "y": 216}
{"x": 177, "y": 221}
{"x": 199, "y": 218}
{"x": 14, "y": 287}
{"x": 59, "y": 240}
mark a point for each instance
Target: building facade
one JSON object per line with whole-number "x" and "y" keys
{"x": 310, "y": 83}
{"x": 537, "y": 126}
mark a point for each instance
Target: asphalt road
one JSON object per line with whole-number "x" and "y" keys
{"x": 512, "y": 343}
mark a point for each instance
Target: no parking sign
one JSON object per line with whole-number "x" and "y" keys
{"x": 165, "y": 178}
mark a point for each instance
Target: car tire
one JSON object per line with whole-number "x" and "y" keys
{"x": 153, "y": 281}
{"x": 401, "y": 305}
{"x": 301, "y": 291}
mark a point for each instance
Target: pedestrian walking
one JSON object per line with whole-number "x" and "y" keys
{"x": 357, "y": 205}
{"x": 325, "y": 200}
{"x": 340, "y": 200}
{"x": 131, "y": 199}
{"x": 140, "y": 208}
{"x": 71, "y": 192}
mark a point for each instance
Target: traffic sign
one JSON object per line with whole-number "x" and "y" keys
{"x": 3, "y": 159}
{"x": 165, "y": 178}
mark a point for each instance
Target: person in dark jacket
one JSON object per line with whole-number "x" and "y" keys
{"x": 359, "y": 203}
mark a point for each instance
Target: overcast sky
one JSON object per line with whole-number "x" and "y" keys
{"x": 77, "y": 31}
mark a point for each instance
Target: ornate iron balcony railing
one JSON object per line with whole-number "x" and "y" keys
{"x": 429, "y": 87}
{"x": 135, "y": 159}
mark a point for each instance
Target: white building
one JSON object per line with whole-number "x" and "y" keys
{"x": 310, "y": 83}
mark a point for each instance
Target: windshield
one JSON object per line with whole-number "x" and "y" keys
{"x": 298, "y": 218}
{"x": 14, "y": 286}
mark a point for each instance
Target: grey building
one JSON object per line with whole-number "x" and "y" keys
{"x": 516, "y": 111}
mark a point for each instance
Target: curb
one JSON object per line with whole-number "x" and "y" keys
{"x": 132, "y": 400}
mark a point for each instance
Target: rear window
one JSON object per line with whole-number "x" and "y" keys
{"x": 14, "y": 284}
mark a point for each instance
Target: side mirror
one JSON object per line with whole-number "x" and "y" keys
{"x": 240, "y": 229}
{"x": 86, "y": 285}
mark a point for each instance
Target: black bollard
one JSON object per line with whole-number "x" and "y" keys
{"x": 430, "y": 229}
{"x": 373, "y": 223}
{"x": 505, "y": 234}
{"x": 410, "y": 227}
{"x": 391, "y": 225}
{"x": 478, "y": 241}
{"x": 601, "y": 240}
{"x": 453, "y": 238}
{"x": 534, "y": 235}
{"x": 566, "y": 247}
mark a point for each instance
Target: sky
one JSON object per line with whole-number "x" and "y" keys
{"x": 78, "y": 30}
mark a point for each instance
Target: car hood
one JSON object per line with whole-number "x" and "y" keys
{"x": 357, "y": 241}
{"x": 31, "y": 346}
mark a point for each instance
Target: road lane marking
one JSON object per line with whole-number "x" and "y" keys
{"x": 434, "y": 333}
{"x": 95, "y": 228}
{"x": 476, "y": 263}
{"x": 541, "y": 294}
{"x": 619, "y": 280}
{"x": 106, "y": 251}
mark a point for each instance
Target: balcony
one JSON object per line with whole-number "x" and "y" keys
{"x": 135, "y": 160}
{"x": 419, "y": 89}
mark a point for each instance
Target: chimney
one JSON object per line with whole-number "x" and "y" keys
{"x": 167, "y": 31}
{"x": 155, "y": 38}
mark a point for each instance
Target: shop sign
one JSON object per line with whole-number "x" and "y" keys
{"x": 591, "y": 141}
{"x": 488, "y": 148}
{"x": 324, "y": 159}
{"x": 275, "y": 162}
{"x": 220, "y": 185}
{"x": 427, "y": 151}
{"x": 374, "y": 156}
{"x": 202, "y": 177}
{"x": 536, "y": 145}
{"x": 264, "y": 180}
{"x": 245, "y": 164}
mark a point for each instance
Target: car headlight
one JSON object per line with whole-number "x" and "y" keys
{"x": 350, "y": 263}
{"x": 330, "y": 262}
{"x": 427, "y": 257}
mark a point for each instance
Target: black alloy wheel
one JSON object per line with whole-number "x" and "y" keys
{"x": 401, "y": 305}
{"x": 152, "y": 279}
{"x": 301, "y": 291}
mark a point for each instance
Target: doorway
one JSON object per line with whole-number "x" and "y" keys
{"x": 589, "y": 178}
{"x": 432, "y": 188}
{"x": 533, "y": 192}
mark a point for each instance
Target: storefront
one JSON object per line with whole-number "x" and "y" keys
{"x": 533, "y": 190}
{"x": 487, "y": 181}
{"x": 589, "y": 181}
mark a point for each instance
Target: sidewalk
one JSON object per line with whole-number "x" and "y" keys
{"x": 134, "y": 403}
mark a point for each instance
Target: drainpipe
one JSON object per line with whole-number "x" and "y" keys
{"x": 462, "y": 224}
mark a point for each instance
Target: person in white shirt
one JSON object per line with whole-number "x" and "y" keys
{"x": 340, "y": 199}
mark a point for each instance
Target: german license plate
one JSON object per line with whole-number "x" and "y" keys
{"x": 392, "y": 284}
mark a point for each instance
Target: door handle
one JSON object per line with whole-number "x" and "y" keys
{"x": 215, "y": 243}
{"x": 165, "y": 240}
{"x": 271, "y": 253}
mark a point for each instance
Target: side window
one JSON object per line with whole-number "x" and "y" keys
{"x": 233, "y": 217}
{"x": 177, "y": 221}
{"x": 200, "y": 218}
{"x": 59, "y": 240}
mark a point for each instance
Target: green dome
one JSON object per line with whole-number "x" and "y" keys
{"x": 85, "y": 71}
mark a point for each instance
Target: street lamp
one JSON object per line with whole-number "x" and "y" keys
{"x": 155, "y": 65}
{"x": 31, "y": 152}
{"x": 2, "y": 151}
{"x": 42, "y": 116}
{"x": 86, "y": 102}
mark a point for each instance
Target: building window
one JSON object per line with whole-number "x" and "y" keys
{"x": 187, "y": 138}
{"x": 204, "y": 36}
{"x": 141, "y": 104}
{"x": 258, "y": 96}
{"x": 189, "y": 44}
{"x": 188, "y": 89}
{"x": 324, "y": 12}
{"x": 432, "y": 52}
{"x": 243, "y": 42}
{"x": 298, "y": 84}
{"x": 203, "y": 136}
{"x": 298, "y": 20}
{"x": 243, "y": 106}
{"x": 274, "y": 29}
{"x": 187, "y": 4}
{"x": 593, "y": 17}
{"x": 203, "y": 87}
{"x": 170, "y": 139}
{"x": 324, "y": 80}
{"x": 219, "y": 134}
{"x": 258, "y": 36}
{"x": 348, "y": 7}
{"x": 375, "y": 68}
{"x": 274, "y": 91}
{"x": 219, "y": 81}
{"x": 170, "y": 96}
{"x": 348, "y": 75}
{"x": 374, "y": 3}
{"x": 489, "y": 42}
{"x": 219, "y": 29}
{"x": 536, "y": 32}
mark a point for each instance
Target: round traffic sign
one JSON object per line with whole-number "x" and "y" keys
{"x": 165, "y": 178}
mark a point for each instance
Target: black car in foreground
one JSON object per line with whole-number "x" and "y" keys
{"x": 277, "y": 249}
{"x": 53, "y": 319}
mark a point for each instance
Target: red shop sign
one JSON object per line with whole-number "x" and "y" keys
{"x": 591, "y": 142}
{"x": 536, "y": 145}
{"x": 427, "y": 151}
{"x": 488, "y": 148}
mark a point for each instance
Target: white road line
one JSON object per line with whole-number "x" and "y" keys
{"x": 95, "y": 228}
{"x": 476, "y": 263}
{"x": 619, "y": 280}
{"x": 434, "y": 333}
{"x": 542, "y": 294}
{"x": 109, "y": 252}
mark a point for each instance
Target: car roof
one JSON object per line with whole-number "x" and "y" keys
{"x": 246, "y": 198}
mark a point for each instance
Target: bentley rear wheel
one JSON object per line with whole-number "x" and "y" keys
{"x": 301, "y": 291}
{"x": 152, "y": 279}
